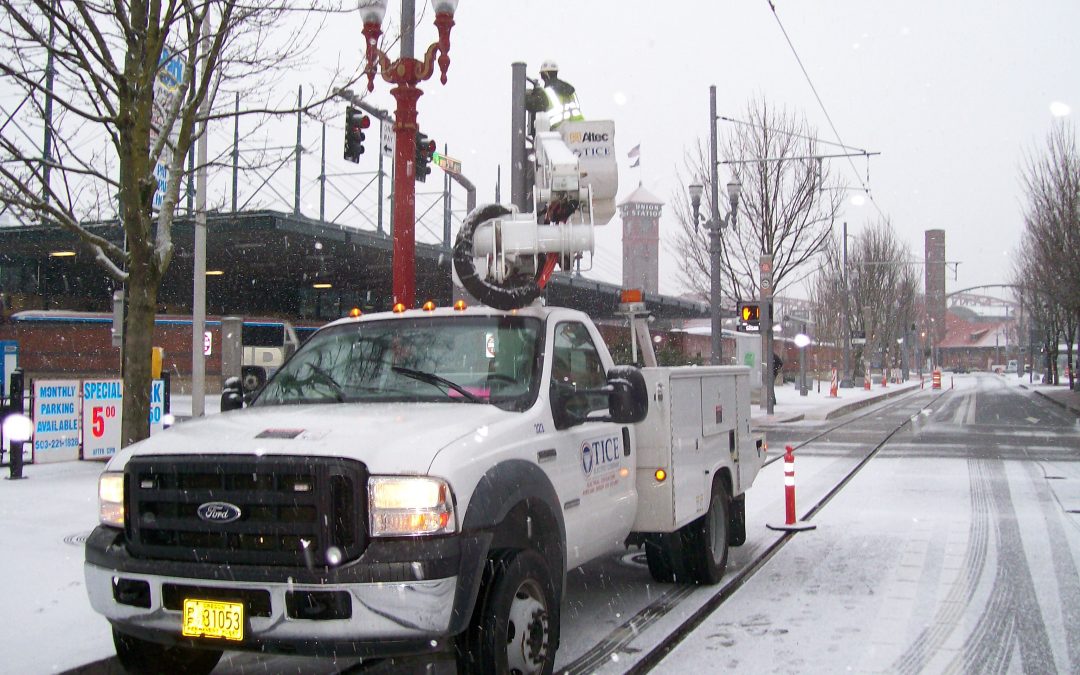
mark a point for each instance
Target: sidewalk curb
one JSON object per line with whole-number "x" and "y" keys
{"x": 764, "y": 422}
{"x": 856, "y": 405}
{"x": 1047, "y": 397}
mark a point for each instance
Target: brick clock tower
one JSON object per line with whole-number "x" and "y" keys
{"x": 640, "y": 213}
{"x": 935, "y": 288}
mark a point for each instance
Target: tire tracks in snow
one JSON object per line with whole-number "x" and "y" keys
{"x": 1065, "y": 566}
{"x": 945, "y": 621}
{"x": 620, "y": 638}
{"x": 1011, "y": 617}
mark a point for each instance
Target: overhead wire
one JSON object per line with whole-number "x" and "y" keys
{"x": 824, "y": 110}
{"x": 792, "y": 134}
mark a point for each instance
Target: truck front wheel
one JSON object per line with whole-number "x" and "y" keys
{"x": 142, "y": 656}
{"x": 515, "y": 625}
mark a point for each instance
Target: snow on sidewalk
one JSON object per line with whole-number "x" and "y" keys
{"x": 46, "y": 517}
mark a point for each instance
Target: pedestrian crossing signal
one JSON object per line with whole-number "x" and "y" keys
{"x": 749, "y": 313}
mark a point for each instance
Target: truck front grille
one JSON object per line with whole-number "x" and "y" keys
{"x": 268, "y": 510}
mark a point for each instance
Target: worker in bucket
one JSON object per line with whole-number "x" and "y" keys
{"x": 554, "y": 98}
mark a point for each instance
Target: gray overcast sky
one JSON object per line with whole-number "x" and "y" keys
{"x": 953, "y": 94}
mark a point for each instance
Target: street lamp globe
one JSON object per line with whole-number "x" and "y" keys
{"x": 18, "y": 427}
{"x": 696, "y": 190}
{"x": 372, "y": 11}
{"x": 734, "y": 188}
{"x": 444, "y": 6}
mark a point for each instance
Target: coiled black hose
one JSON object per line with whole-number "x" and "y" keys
{"x": 516, "y": 292}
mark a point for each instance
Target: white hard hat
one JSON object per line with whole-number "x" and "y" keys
{"x": 549, "y": 66}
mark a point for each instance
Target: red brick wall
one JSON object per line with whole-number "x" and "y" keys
{"x": 85, "y": 349}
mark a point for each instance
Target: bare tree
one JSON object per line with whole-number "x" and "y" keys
{"x": 787, "y": 205}
{"x": 1035, "y": 284}
{"x": 881, "y": 291}
{"x": 121, "y": 91}
{"x": 1046, "y": 268}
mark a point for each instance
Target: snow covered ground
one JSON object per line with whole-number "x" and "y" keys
{"x": 963, "y": 562}
{"x": 852, "y": 569}
{"x": 45, "y": 519}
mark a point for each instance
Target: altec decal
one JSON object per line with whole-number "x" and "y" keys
{"x": 587, "y": 137}
{"x": 600, "y": 455}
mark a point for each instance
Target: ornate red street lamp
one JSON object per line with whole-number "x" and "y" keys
{"x": 405, "y": 73}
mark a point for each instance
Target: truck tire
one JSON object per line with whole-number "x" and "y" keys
{"x": 664, "y": 555}
{"x": 515, "y": 627}
{"x": 142, "y": 656}
{"x": 705, "y": 541}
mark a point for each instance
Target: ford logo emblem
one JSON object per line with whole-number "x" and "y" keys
{"x": 219, "y": 512}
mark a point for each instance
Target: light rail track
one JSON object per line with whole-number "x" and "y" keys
{"x": 616, "y": 641}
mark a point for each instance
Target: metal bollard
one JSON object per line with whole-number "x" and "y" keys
{"x": 166, "y": 404}
{"x": 15, "y": 407}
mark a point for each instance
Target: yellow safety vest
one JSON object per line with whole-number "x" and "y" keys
{"x": 562, "y": 109}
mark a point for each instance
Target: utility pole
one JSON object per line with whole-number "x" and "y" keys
{"x": 299, "y": 147}
{"x": 716, "y": 327}
{"x": 845, "y": 380}
{"x": 198, "y": 301}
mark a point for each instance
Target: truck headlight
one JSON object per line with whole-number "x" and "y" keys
{"x": 111, "y": 499}
{"x": 409, "y": 506}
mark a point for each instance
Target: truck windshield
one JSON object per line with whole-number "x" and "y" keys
{"x": 454, "y": 359}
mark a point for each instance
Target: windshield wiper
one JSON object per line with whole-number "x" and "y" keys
{"x": 339, "y": 393}
{"x": 432, "y": 378}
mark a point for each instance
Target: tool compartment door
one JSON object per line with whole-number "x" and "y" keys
{"x": 687, "y": 449}
{"x": 719, "y": 427}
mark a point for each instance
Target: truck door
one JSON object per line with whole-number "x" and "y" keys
{"x": 596, "y": 464}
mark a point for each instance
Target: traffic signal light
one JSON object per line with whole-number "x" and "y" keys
{"x": 355, "y": 123}
{"x": 425, "y": 151}
{"x": 750, "y": 314}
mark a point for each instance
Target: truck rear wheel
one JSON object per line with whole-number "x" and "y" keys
{"x": 515, "y": 626}
{"x": 705, "y": 541}
{"x": 142, "y": 656}
{"x": 663, "y": 553}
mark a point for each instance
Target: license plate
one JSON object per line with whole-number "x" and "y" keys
{"x": 213, "y": 619}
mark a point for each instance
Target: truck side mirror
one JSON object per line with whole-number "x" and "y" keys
{"x": 232, "y": 395}
{"x": 628, "y": 396}
{"x": 564, "y": 403}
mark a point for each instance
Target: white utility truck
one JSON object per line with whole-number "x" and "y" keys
{"x": 422, "y": 480}
{"x": 419, "y": 481}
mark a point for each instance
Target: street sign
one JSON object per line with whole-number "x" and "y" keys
{"x": 170, "y": 78}
{"x": 57, "y": 409}
{"x": 858, "y": 337}
{"x": 448, "y": 164}
{"x": 103, "y": 405}
{"x": 386, "y": 131}
{"x": 765, "y": 266}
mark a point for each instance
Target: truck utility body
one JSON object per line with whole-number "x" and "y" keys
{"x": 417, "y": 481}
